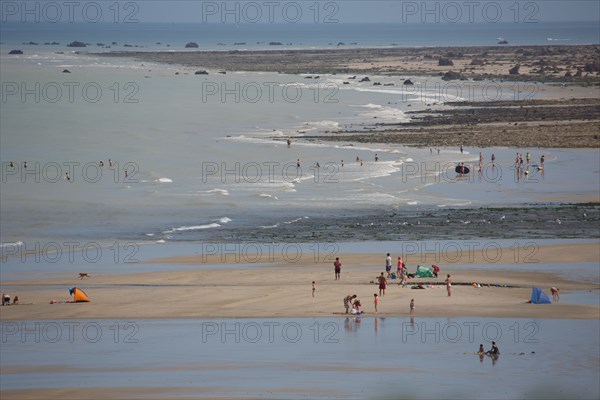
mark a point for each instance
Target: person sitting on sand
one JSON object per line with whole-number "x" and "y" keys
{"x": 5, "y": 299}
{"x": 494, "y": 351}
{"x": 16, "y": 300}
{"x": 481, "y": 349}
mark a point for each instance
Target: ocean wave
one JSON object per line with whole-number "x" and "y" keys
{"x": 216, "y": 191}
{"x": 193, "y": 228}
{"x": 164, "y": 180}
{"x": 11, "y": 244}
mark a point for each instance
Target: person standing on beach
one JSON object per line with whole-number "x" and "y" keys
{"x": 448, "y": 283}
{"x": 382, "y": 284}
{"x": 542, "y": 161}
{"x": 528, "y": 157}
{"x": 388, "y": 265}
{"x": 375, "y": 301}
{"x": 337, "y": 267}
{"x": 289, "y": 142}
{"x": 376, "y": 157}
{"x": 399, "y": 267}
{"x": 480, "y": 160}
{"x": 412, "y": 305}
{"x": 493, "y": 159}
{"x": 461, "y": 149}
{"x": 313, "y": 288}
{"x": 348, "y": 301}
{"x": 298, "y": 163}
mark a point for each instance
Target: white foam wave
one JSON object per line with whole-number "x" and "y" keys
{"x": 11, "y": 244}
{"x": 164, "y": 180}
{"x": 216, "y": 191}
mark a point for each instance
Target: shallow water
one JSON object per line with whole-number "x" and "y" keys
{"x": 340, "y": 357}
{"x": 201, "y": 163}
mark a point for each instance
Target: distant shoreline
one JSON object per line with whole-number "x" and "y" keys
{"x": 542, "y": 63}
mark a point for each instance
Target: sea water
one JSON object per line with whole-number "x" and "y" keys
{"x": 335, "y": 357}
{"x": 198, "y": 161}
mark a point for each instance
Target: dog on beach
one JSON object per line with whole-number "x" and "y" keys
{"x": 84, "y": 275}
{"x": 554, "y": 291}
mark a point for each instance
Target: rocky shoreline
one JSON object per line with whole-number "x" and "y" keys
{"x": 533, "y": 221}
{"x": 571, "y": 123}
{"x": 577, "y": 64}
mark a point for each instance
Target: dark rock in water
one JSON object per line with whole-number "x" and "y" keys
{"x": 451, "y": 76}
{"x": 201, "y": 72}
{"x": 514, "y": 70}
{"x": 66, "y": 71}
{"x": 308, "y": 77}
{"x": 223, "y": 72}
{"x": 346, "y": 83}
{"x": 127, "y": 45}
{"x": 239, "y": 44}
{"x": 592, "y": 67}
{"x": 30, "y": 43}
{"x": 114, "y": 43}
{"x": 275, "y": 44}
{"x": 476, "y": 62}
{"x": 317, "y": 77}
{"x": 408, "y": 82}
{"x": 352, "y": 77}
{"x": 100, "y": 44}
{"x": 192, "y": 45}
{"x": 176, "y": 73}
{"x": 76, "y": 43}
{"x": 388, "y": 84}
{"x": 503, "y": 42}
{"x": 568, "y": 74}
{"x": 159, "y": 43}
{"x": 365, "y": 79}
{"x": 376, "y": 83}
{"x": 15, "y": 52}
{"x": 341, "y": 44}
{"x": 445, "y": 62}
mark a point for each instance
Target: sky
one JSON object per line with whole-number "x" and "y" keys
{"x": 301, "y": 11}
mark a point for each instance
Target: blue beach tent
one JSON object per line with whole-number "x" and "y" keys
{"x": 539, "y": 297}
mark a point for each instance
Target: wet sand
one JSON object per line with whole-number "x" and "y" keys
{"x": 566, "y": 123}
{"x": 284, "y": 290}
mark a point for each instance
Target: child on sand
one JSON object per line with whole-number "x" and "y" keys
{"x": 356, "y": 305}
{"x": 375, "y": 301}
{"x": 448, "y": 282}
{"x": 412, "y": 305}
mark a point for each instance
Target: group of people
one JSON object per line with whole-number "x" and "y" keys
{"x": 6, "y": 299}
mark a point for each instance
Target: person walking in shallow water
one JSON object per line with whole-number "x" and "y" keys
{"x": 448, "y": 282}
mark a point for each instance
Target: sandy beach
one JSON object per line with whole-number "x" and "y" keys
{"x": 284, "y": 290}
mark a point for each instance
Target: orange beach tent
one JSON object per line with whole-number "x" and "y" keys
{"x": 79, "y": 295}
